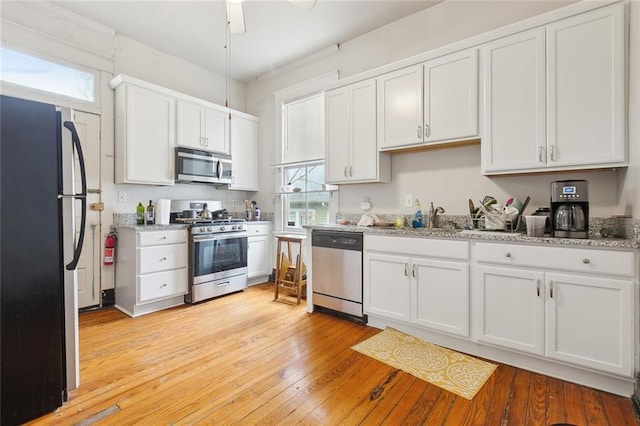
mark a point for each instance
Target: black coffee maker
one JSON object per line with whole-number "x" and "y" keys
{"x": 570, "y": 209}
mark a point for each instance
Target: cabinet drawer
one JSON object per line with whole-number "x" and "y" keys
{"x": 162, "y": 258}
{"x": 254, "y": 229}
{"x": 153, "y": 238}
{"x": 161, "y": 285}
{"x": 448, "y": 249}
{"x": 570, "y": 259}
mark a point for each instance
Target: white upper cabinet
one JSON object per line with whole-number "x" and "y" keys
{"x": 351, "y": 151}
{"x": 514, "y": 103}
{"x": 428, "y": 103}
{"x": 554, "y": 96}
{"x": 244, "y": 153}
{"x": 145, "y": 128}
{"x": 200, "y": 127}
{"x": 400, "y": 107}
{"x": 585, "y": 89}
{"x": 451, "y": 97}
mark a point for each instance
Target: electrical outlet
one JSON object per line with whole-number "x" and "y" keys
{"x": 234, "y": 203}
{"x": 122, "y": 197}
{"x": 408, "y": 200}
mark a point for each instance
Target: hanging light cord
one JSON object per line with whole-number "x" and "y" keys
{"x": 227, "y": 48}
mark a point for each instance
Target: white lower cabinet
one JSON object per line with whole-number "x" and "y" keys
{"x": 387, "y": 285}
{"x": 259, "y": 249}
{"x": 401, "y": 283}
{"x": 585, "y": 320}
{"x": 151, "y": 270}
{"x": 441, "y": 295}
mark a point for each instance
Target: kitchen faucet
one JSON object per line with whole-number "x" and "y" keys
{"x": 433, "y": 213}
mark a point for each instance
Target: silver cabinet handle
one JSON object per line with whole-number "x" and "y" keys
{"x": 350, "y": 171}
{"x": 586, "y": 261}
{"x": 507, "y": 254}
{"x": 163, "y": 285}
{"x": 541, "y": 154}
{"x": 427, "y": 130}
{"x": 538, "y": 287}
{"x": 164, "y": 238}
{"x": 419, "y": 132}
{"x": 163, "y": 259}
{"x": 552, "y": 152}
{"x": 202, "y": 140}
{"x": 551, "y": 289}
{"x": 413, "y": 271}
{"x": 345, "y": 171}
{"x": 406, "y": 269}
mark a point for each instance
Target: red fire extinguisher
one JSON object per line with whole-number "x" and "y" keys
{"x": 109, "y": 248}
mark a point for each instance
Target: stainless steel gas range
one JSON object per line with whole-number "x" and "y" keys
{"x": 217, "y": 251}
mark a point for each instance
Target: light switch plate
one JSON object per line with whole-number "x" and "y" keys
{"x": 122, "y": 197}
{"x": 408, "y": 200}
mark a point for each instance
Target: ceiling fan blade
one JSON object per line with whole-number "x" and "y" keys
{"x": 305, "y": 5}
{"x": 235, "y": 17}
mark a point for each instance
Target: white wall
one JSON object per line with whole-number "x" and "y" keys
{"x": 447, "y": 176}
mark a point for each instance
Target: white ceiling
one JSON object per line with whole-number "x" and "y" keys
{"x": 277, "y": 32}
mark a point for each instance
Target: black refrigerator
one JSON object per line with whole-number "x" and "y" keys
{"x": 41, "y": 165}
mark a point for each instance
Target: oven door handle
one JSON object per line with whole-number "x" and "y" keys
{"x": 200, "y": 238}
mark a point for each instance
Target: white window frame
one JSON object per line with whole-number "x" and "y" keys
{"x": 308, "y": 88}
{"x": 19, "y": 91}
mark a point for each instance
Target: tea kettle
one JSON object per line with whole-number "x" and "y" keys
{"x": 205, "y": 213}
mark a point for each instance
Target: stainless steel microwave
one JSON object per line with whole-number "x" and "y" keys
{"x": 202, "y": 167}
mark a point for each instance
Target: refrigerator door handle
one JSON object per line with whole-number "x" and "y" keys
{"x": 82, "y": 196}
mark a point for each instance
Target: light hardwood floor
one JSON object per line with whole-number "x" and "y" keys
{"x": 245, "y": 359}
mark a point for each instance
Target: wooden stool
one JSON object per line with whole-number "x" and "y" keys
{"x": 288, "y": 275}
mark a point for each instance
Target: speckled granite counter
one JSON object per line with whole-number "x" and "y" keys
{"x": 151, "y": 227}
{"x": 483, "y": 236}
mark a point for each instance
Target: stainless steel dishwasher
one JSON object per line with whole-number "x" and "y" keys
{"x": 337, "y": 272}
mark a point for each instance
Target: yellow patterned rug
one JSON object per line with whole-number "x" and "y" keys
{"x": 450, "y": 370}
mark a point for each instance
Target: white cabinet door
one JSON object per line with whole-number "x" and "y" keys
{"x": 257, "y": 261}
{"x": 387, "y": 286}
{"x": 514, "y": 104}
{"x": 451, "y": 97}
{"x": 244, "y": 153}
{"x": 510, "y": 310}
{"x": 589, "y": 322}
{"x": 148, "y": 137}
{"x": 400, "y": 108}
{"x": 338, "y": 143}
{"x": 586, "y": 80}
{"x": 441, "y": 295}
{"x": 190, "y": 125}
{"x": 216, "y": 134}
{"x": 364, "y": 153}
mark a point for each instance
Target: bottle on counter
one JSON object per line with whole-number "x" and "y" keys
{"x": 151, "y": 214}
{"x": 256, "y": 213}
{"x": 417, "y": 216}
{"x": 140, "y": 214}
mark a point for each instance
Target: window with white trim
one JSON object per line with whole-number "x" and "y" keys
{"x": 305, "y": 200}
{"x": 40, "y": 74}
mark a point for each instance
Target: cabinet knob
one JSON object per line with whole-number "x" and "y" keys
{"x": 163, "y": 285}
{"x": 163, "y": 259}
{"x": 427, "y": 130}
{"x": 586, "y": 261}
{"x": 507, "y": 254}
{"x": 419, "y": 132}
{"x": 164, "y": 238}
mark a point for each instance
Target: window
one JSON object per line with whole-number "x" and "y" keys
{"x": 304, "y": 198}
{"x": 303, "y": 129}
{"x": 29, "y": 71}
{"x": 305, "y": 201}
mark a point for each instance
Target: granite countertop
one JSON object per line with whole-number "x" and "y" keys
{"x": 156, "y": 227}
{"x": 482, "y": 236}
